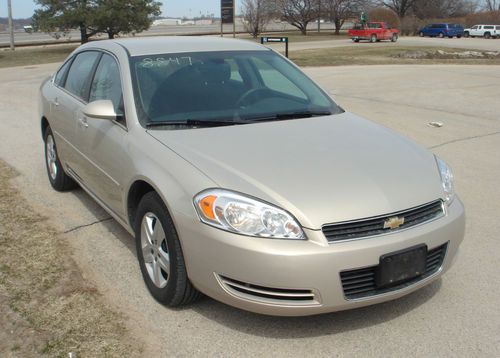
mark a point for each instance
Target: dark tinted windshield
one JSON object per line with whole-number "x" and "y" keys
{"x": 238, "y": 85}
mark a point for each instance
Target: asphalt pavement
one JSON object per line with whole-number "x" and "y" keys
{"x": 457, "y": 316}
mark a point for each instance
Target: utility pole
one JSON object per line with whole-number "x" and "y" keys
{"x": 11, "y": 26}
{"x": 319, "y": 15}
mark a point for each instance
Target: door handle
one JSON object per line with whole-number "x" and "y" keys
{"x": 55, "y": 102}
{"x": 83, "y": 122}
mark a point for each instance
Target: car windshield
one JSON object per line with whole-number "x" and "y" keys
{"x": 231, "y": 86}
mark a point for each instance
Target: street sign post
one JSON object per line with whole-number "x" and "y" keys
{"x": 284, "y": 40}
{"x": 227, "y": 15}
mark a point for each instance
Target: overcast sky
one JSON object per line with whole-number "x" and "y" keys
{"x": 173, "y": 8}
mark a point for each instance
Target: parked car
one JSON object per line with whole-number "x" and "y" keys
{"x": 241, "y": 178}
{"x": 486, "y": 31}
{"x": 442, "y": 30}
{"x": 373, "y": 32}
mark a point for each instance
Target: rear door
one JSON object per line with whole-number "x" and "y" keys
{"x": 69, "y": 101}
{"x": 104, "y": 141}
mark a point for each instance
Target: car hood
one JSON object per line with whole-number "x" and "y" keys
{"x": 322, "y": 169}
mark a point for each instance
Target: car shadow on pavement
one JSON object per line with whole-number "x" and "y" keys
{"x": 313, "y": 326}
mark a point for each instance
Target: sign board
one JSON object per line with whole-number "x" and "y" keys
{"x": 227, "y": 11}
{"x": 284, "y": 40}
{"x": 274, "y": 39}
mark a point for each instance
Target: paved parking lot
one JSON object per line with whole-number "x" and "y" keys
{"x": 458, "y": 315}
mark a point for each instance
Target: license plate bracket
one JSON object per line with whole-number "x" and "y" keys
{"x": 401, "y": 266}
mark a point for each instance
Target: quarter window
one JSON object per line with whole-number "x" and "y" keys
{"x": 61, "y": 74}
{"x": 79, "y": 75}
{"x": 106, "y": 83}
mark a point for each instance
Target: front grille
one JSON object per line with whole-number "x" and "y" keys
{"x": 375, "y": 226}
{"x": 267, "y": 294}
{"x": 361, "y": 283}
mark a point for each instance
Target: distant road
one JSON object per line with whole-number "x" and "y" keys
{"x": 23, "y": 38}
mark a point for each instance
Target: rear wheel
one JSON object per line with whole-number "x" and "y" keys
{"x": 459, "y": 36}
{"x": 421, "y": 34}
{"x": 58, "y": 179}
{"x": 466, "y": 34}
{"x": 160, "y": 254}
{"x": 394, "y": 38}
{"x": 487, "y": 35}
{"x": 373, "y": 38}
{"x": 441, "y": 35}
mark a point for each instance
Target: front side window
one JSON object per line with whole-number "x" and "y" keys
{"x": 107, "y": 84}
{"x": 230, "y": 85}
{"x": 79, "y": 75}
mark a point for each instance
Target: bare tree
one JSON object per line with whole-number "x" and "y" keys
{"x": 492, "y": 5}
{"x": 425, "y": 9}
{"x": 298, "y": 13}
{"x": 256, "y": 14}
{"x": 400, "y": 7}
{"x": 338, "y": 11}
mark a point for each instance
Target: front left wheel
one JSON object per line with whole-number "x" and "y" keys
{"x": 160, "y": 254}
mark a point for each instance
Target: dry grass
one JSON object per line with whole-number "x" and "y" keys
{"x": 46, "y": 307}
{"x": 376, "y": 54}
{"x": 26, "y": 56}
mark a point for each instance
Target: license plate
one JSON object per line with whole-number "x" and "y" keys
{"x": 398, "y": 267}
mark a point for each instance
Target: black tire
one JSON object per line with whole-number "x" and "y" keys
{"x": 373, "y": 38}
{"x": 394, "y": 38}
{"x": 178, "y": 290}
{"x": 441, "y": 35}
{"x": 459, "y": 36}
{"x": 58, "y": 179}
{"x": 421, "y": 34}
{"x": 466, "y": 34}
{"x": 487, "y": 35}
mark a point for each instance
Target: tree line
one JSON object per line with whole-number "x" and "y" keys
{"x": 300, "y": 13}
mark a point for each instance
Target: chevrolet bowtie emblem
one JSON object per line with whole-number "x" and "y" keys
{"x": 394, "y": 222}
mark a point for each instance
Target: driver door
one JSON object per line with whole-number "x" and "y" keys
{"x": 104, "y": 141}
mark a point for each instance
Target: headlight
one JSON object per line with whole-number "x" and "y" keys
{"x": 446, "y": 180}
{"x": 241, "y": 214}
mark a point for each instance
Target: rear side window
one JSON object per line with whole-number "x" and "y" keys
{"x": 498, "y": 27}
{"x": 79, "y": 75}
{"x": 61, "y": 74}
{"x": 489, "y": 27}
{"x": 107, "y": 84}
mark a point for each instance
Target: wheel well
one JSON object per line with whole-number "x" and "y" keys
{"x": 44, "y": 125}
{"x": 135, "y": 194}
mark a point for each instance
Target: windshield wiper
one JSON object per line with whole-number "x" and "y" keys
{"x": 197, "y": 123}
{"x": 290, "y": 115}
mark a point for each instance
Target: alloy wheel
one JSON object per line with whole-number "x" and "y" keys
{"x": 51, "y": 157}
{"x": 155, "y": 250}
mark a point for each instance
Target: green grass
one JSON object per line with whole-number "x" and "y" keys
{"x": 376, "y": 54}
{"x": 27, "y": 56}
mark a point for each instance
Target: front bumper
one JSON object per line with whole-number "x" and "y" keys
{"x": 216, "y": 260}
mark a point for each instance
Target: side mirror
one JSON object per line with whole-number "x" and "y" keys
{"x": 102, "y": 109}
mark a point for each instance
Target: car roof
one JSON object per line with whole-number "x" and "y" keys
{"x": 177, "y": 44}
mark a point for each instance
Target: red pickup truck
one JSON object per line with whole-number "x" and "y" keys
{"x": 373, "y": 32}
